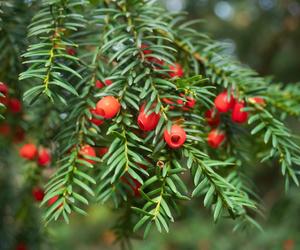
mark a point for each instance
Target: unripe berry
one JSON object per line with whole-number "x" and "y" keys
{"x": 28, "y": 151}
{"x": 3, "y": 88}
{"x": 15, "y": 105}
{"x": 89, "y": 151}
{"x": 44, "y": 157}
{"x": 176, "y": 137}
{"x": 94, "y": 120}
{"x": 212, "y": 117}
{"x": 176, "y": 70}
{"x": 223, "y": 103}
{"x": 108, "y": 107}
{"x": 238, "y": 115}
{"x": 147, "y": 122}
{"x": 216, "y": 138}
{"x": 38, "y": 193}
{"x": 102, "y": 151}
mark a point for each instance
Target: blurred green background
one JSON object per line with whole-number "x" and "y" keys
{"x": 264, "y": 34}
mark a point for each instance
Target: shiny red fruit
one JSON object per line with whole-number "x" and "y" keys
{"x": 108, "y": 82}
{"x": 191, "y": 102}
{"x": 145, "y": 49}
{"x": 257, "y": 100}
{"x": 216, "y": 138}
{"x": 212, "y": 117}
{"x": 15, "y": 105}
{"x": 28, "y": 151}
{"x": 94, "y": 120}
{"x": 44, "y": 157}
{"x": 53, "y": 200}
{"x": 176, "y": 70}
{"x": 238, "y": 115}
{"x": 147, "y": 122}
{"x": 100, "y": 85}
{"x": 223, "y": 103}
{"x": 108, "y": 107}
{"x": 89, "y": 151}
{"x": 3, "y": 88}
{"x": 102, "y": 151}
{"x": 38, "y": 193}
{"x": 176, "y": 137}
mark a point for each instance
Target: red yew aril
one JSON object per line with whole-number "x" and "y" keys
{"x": 258, "y": 100}
{"x": 176, "y": 137}
{"x": 19, "y": 135}
{"x": 238, "y": 115}
{"x": 176, "y": 70}
{"x": 100, "y": 85}
{"x": 145, "y": 49}
{"x": 15, "y": 105}
{"x": 169, "y": 102}
{"x": 44, "y": 157}
{"x": 71, "y": 51}
{"x": 38, "y": 193}
{"x": 28, "y": 151}
{"x": 3, "y": 88}
{"x": 94, "y": 120}
{"x": 216, "y": 138}
{"x": 5, "y": 129}
{"x": 53, "y": 200}
{"x": 223, "y": 102}
{"x": 21, "y": 246}
{"x": 212, "y": 117}
{"x": 89, "y": 151}
{"x": 147, "y": 122}
{"x": 108, "y": 107}
{"x": 102, "y": 151}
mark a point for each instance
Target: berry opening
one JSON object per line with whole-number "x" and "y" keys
{"x": 175, "y": 138}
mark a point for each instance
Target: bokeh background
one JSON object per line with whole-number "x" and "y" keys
{"x": 264, "y": 34}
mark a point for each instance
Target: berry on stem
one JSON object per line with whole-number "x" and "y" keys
{"x": 216, "y": 138}
{"x": 238, "y": 115}
{"x": 108, "y": 107}
{"x": 176, "y": 71}
{"x": 94, "y": 120}
{"x": 147, "y": 122}
{"x": 89, "y": 151}
{"x": 212, "y": 117}
{"x": 102, "y": 151}
{"x": 38, "y": 193}
{"x": 223, "y": 103}
{"x": 100, "y": 85}
{"x": 44, "y": 157}
{"x": 176, "y": 137}
{"x": 28, "y": 151}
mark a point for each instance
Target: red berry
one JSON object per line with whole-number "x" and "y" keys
{"x": 87, "y": 150}
{"x": 19, "y": 135}
{"x": 108, "y": 82}
{"x": 191, "y": 102}
{"x": 21, "y": 246}
{"x": 176, "y": 137}
{"x": 15, "y": 105}
{"x": 3, "y": 88}
{"x": 212, "y": 117}
{"x": 44, "y": 157}
{"x": 71, "y": 51}
{"x": 53, "y": 200}
{"x": 145, "y": 49}
{"x": 102, "y": 151}
{"x": 94, "y": 120}
{"x": 257, "y": 100}
{"x": 169, "y": 102}
{"x": 223, "y": 103}
{"x": 4, "y": 129}
{"x": 147, "y": 122}
{"x": 38, "y": 193}
{"x": 215, "y": 138}
{"x": 99, "y": 84}
{"x": 28, "y": 151}
{"x": 176, "y": 70}
{"x": 108, "y": 107}
{"x": 238, "y": 115}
